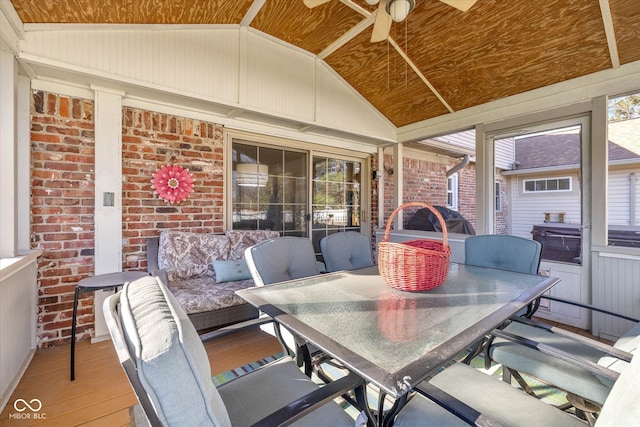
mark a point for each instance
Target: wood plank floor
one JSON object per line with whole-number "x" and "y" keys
{"x": 101, "y": 394}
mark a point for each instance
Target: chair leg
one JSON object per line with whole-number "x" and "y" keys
{"x": 511, "y": 372}
{"x": 477, "y": 348}
{"x": 584, "y": 408}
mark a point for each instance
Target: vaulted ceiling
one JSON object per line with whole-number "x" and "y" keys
{"x": 438, "y": 60}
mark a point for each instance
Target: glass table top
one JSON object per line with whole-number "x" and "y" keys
{"x": 396, "y": 338}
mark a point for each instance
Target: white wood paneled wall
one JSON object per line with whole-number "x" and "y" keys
{"x": 237, "y": 67}
{"x": 620, "y": 291}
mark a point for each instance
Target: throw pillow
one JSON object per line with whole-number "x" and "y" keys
{"x": 231, "y": 271}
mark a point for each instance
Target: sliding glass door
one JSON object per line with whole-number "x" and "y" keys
{"x": 336, "y": 197}
{"x": 269, "y": 189}
{"x": 296, "y": 190}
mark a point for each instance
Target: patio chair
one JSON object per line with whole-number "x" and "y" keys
{"x": 462, "y": 395}
{"x": 503, "y": 252}
{"x": 169, "y": 371}
{"x": 347, "y": 250}
{"x": 277, "y": 260}
{"x": 280, "y": 259}
{"x": 581, "y": 366}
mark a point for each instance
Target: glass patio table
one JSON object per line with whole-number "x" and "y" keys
{"x": 395, "y": 339}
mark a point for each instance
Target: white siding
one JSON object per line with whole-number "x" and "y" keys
{"x": 465, "y": 139}
{"x": 527, "y": 209}
{"x": 619, "y": 198}
{"x": 505, "y": 153}
{"x": 637, "y": 216}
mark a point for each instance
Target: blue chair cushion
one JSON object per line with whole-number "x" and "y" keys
{"x": 493, "y": 398}
{"x": 346, "y": 251}
{"x": 280, "y": 259}
{"x": 160, "y": 334}
{"x": 629, "y": 342}
{"x": 621, "y": 409}
{"x": 250, "y": 397}
{"x": 503, "y": 252}
{"x": 564, "y": 375}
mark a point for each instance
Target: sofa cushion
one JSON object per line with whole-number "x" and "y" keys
{"x": 202, "y": 294}
{"x": 240, "y": 240}
{"x": 231, "y": 270}
{"x": 186, "y": 255}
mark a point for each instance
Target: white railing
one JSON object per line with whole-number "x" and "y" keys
{"x": 18, "y": 300}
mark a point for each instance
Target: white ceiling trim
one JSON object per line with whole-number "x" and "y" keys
{"x": 585, "y": 88}
{"x": 145, "y": 27}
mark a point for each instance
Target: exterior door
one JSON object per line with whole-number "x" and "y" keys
{"x": 540, "y": 194}
{"x": 336, "y": 197}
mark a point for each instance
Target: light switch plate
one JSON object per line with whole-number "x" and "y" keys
{"x": 108, "y": 198}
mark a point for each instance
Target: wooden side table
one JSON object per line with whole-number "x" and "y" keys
{"x": 94, "y": 283}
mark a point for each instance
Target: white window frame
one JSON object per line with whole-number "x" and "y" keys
{"x": 452, "y": 189}
{"x": 498, "y": 189}
{"x": 524, "y": 185}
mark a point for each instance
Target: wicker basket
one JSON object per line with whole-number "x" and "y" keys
{"x": 415, "y": 265}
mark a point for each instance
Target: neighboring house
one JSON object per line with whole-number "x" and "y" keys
{"x": 535, "y": 175}
{"x": 545, "y": 178}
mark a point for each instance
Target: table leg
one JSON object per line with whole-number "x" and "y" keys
{"x": 363, "y": 403}
{"x": 73, "y": 332}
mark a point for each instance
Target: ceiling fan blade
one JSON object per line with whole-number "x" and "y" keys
{"x": 462, "y": 5}
{"x": 313, "y": 3}
{"x": 382, "y": 24}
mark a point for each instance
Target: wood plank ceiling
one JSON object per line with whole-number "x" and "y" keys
{"x": 438, "y": 60}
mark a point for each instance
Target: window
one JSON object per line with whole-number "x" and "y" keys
{"x": 452, "y": 192}
{"x": 498, "y": 197}
{"x": 623, "y": 171}
{"x": 269, "y": 189}
{"x": 547, "y": 185}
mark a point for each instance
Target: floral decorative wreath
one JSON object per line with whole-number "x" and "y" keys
{"x": 172, "y": 183}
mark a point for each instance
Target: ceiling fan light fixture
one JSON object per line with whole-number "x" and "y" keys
{"x": 372, "y": 2}
{"x": 399, "y": 9}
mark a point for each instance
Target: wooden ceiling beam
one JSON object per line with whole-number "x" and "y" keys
{"x": 252, "y": 12}
{"x": 415, "y": 69}
{"x": 607, "y": 20}
{"x": 347, "y": 37}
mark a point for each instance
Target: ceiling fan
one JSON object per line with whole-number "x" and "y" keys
{"x": 394, "y": 10}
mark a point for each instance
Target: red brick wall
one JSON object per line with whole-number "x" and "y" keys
{"x": 151, "y": 140}
{"x": 467, "y": 193}
{"x": 502, "y": 217}
{"x": 62, "y": 203}
{"x": 426, "y": 181}
{"x": 62, "y": 206}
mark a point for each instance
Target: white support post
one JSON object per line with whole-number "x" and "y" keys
{"x": 8, "y": 159}
{"x": 108, "y": 194}
{"x": 398, "y": 199}
{"x": 380, "y": 178}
